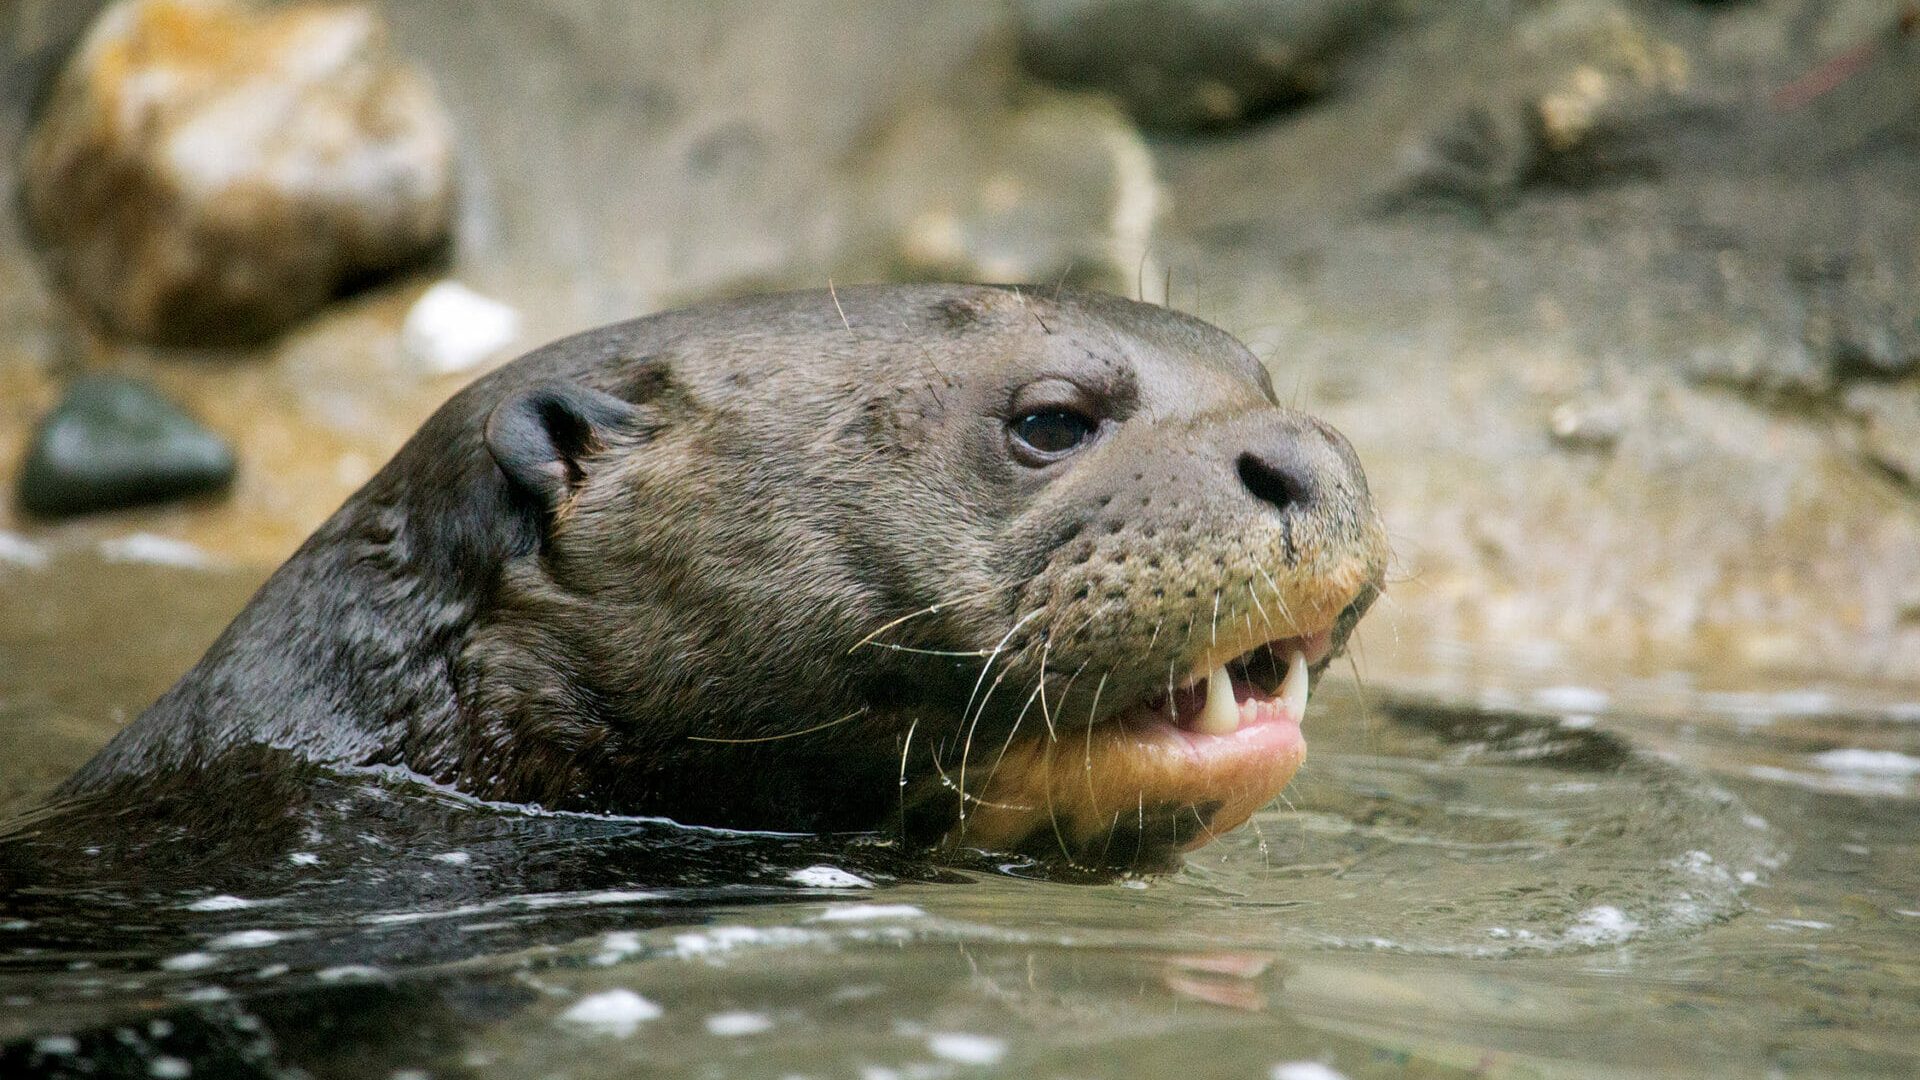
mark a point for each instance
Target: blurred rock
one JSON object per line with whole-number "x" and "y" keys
{"x": 1862, "y": 317}
{"x": 115, "y": 442}
{"x": 206, "y": 173}
{"x": 1194, "y": 64}
{"x": 1057, "y": 189}
{"x": 1585, "y": 425}
{"x": 1615, "y": 110}
{"x": 1716, "y": 306}
{"x": 1890, "y": 418}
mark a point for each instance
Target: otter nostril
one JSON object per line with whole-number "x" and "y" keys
{"x": 1280, "y": 484}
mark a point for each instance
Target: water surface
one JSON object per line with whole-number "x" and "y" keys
{"x": 1486, "y": 868}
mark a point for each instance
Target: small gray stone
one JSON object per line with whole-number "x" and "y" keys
{"x": 114, "y": 442}
{"x": 1194, "y": 64}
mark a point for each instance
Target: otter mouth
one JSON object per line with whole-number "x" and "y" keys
{"x": 1267, "y": 684}
{"x": 1170, "y": 771}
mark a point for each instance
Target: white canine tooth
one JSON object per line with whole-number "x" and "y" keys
{"x": 1221, "y": 715}
{"x": 1293, "y": 692}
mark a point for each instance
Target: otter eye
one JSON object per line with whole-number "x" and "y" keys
{"x": 1050, "y": 433}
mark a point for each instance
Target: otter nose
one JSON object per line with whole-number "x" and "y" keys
{"x": 1280, "y": 474}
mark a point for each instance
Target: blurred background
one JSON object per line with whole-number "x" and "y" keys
{"x": 1619, "y": 301}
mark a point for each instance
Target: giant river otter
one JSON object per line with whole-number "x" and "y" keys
{"x": 1036, "y": 572}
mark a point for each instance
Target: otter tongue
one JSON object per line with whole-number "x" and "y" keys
{"x": 1221, "y": 714}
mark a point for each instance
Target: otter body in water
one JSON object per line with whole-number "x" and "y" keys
{"x": 1046, "y": 573}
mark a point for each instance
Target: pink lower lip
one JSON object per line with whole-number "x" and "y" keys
{"x": 1266, "y": 727}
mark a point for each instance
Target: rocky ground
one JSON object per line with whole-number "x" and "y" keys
{"x": 1619, "y": 301}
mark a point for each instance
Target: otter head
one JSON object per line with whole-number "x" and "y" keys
{"x": 1041, "y": 573}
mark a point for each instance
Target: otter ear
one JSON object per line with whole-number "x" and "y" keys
{"x": 540, "y": 436}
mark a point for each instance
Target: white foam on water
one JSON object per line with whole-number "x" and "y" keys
{"x": 869, "y": 912}
{"x": 247, "y": 939}
{"x": 349, "y": 973}
{"x": 191, "y": 961}
{"x": 1305, "y": 1070}
{"x": 398, "y": 918}
{"x": 1799, "y": 924}
{"x": 222, "y": 902}
{"x": 731, "y": 1024}
{"x": 1869, "y": 762}
{"x": 1602, "y": 924}
{"x": 56, "y": 1045}
{"x": 618, "y": 1013}
{"x": 967, "y": 1048}
{"x": 617, "y": 946}
{"x": 723, "y": 939}
{"x": 829, "y": 877}
{"x": 607, "y": 896}
{"x": 1572, "y": 699}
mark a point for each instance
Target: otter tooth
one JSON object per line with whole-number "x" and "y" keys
{"x": 1221, "y": 714}
{"x": 1293, "y": 692}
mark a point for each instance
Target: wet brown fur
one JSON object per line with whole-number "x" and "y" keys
{"x": 805, "y": 510}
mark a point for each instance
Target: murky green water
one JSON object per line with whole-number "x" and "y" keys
{"x": 1486, "y": 869}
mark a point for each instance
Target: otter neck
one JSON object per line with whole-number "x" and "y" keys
{"x": 346, "y": 654}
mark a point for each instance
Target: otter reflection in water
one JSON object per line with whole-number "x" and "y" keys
{"x": 1040, "y": 573}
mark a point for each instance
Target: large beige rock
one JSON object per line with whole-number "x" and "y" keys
{"x": 206, "y": 172}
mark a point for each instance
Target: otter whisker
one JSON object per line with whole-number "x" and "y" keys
{"x": 987, "y": 784}
{"x": 966, "y": 748}
{"x": 788, "y": 735}
{"x": 946, "y": 781}
{"x": 905, "y": 747}
{"x": 834, "y": 293}
{"x": 1111, "y": 826}
{"x": 1065, "y": 689}
{"x": 1266, "y": 852}
{"x": 1093, "y": 797}
{"x": 991, "y": 657}
{"x": 1360, "y": 690}
{"x": 1140, "y": 827}
{"x": 1214, "y": 629}
{"x": 1040, "y": 684}
{"x": 1206, "y": 826}
{"x": 1254, "y": 595}
{"x": 1053, "y": 815}
{"x": 931, "y": 609}
{"x": 927, "y": 652}
{"x": 1279, "y": 597}
{"x": 1022, "y": 297}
